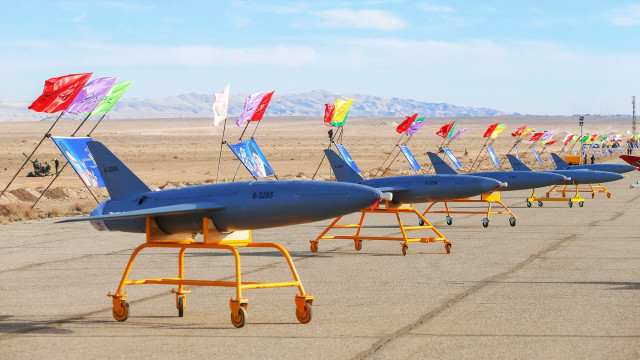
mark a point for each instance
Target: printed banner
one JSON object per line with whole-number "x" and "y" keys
{"x": 78, "y": 155}
{"x": 550, "y": 158}
{"x": 574, "y": 151}
{"x": 594, "y": 152}
{"x": 454, "y": 160}
{"x": 346, "y": 157}
{"x": 252, "y": 158}
{"x": 564, "y": 151}
{"x": 517, "y": 153}
{"x": 536, "y": 154}
{"x": 409, "y": 156}
{"x": 221, "y": 106}
{"x": 493, "y": 155}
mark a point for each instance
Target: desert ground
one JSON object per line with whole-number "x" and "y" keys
{"x": 561, "y": 284}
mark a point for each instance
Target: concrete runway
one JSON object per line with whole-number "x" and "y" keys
{"x": 563, "y": 283}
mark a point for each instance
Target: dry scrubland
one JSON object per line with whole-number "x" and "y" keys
{"x": 177, "y": 152}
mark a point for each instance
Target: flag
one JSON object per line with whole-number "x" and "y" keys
{"x": 458, "y": 133}
{"x": 329, "y": 110}
{"x": 497, "y": 131}
{"x": 254, "y": 107}
{"x": 404, "y": 126}
{"x": 593, "y": 137}
{"x": 112, "y": 97}
{"x": 575, "y": 139}
{"x": 584, "y": 139}
{"x": 526, "y": 132}
{"x": 536, "y": 136}
{"x": 416, "y": 125}
{"x": 519, "y": 131}
{"x": 452, "y": 129}
{"x": 603, "y": 138}
{"x": 446, "y": 130}
{"x": 549, "y": 142}
{"x": 59, "y": 92}
{"x": 490, "y": 130}
{"x": 547, "y": 136}
{"x": 91, "y": 95}
{"x": 341, "y": 113}
{"x": 221, "y": 106}
{"x": 567, "y": 139}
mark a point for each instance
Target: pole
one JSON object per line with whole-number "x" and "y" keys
{"x": 633, "y": 124}
{"x": 385, "y": 160}
{"x": 79, "y": 126}
{"x": 46, "y": 135}
{"x": 483, "y": 146}
{"x": 337, "y": 134}
{"x": 96, "y": 125}
{"x": 224, "y": 127}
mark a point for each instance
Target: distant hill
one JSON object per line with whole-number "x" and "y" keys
{"x": 304, "y": 104}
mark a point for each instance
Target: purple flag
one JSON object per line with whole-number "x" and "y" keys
{"x": 547, "y": 136}
{"x": 250, "y": 107}
{"x": 458, "y": 133}
{"x": 91, "y": 95}
{"x": 415, "y": 126}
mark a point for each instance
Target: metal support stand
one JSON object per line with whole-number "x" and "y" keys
{"x": 541, "y": 200}
{"x": 389, "y": 208}
{"x": 212, "y": 239}
{"x": 488, "y": 199}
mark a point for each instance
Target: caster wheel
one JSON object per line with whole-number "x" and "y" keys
{"x": 608, "y": 195}
{"x": 528, "y": 203}
{"x": 540, "y": 203}
{"x": 581, "y": 203}
{"x": 121, "y": 311}
{"x": 181, "y": 306}
{"x": 485, "y": 222}
{"x": 512, "y": 221}
{"x": 449, "y": 220}
{"x": 447, "y": 247}
{"x": 305, "y": 314}
{"x": 238, "y": 320}
{"x": 358, "y": 245}
{"x": 404, "y": 249}
{"x": 570, "y": 204}
{"x": 593, "y": 195}
{"x": 421, "y": 222}
{"x": 314, "y": 246}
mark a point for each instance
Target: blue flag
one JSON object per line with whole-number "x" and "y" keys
{"x": 78, "y": 155}
{"x": 536, "y": 154}
{"x": 252, "y": 158}
{"x": 493, "y": 155}
{"x": 346, "y": 157}
{"x": 409, "y": 156}
{"x": 454, "y": 160}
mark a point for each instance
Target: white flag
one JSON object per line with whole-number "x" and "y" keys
{"x": 221, "y": 106}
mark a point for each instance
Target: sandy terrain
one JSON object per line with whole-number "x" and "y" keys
{"x": 175, "y": 152}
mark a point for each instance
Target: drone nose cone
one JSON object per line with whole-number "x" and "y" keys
{"x": 551, "y": 178}
{"x": 486, "y": 185}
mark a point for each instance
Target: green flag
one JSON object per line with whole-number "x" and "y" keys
{"x": 111, "y": 98}
{"x": 452, "y": 129}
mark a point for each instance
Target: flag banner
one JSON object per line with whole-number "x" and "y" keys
{"x": 493, "y": 155}
{"x": 536, "y": 136}
{"x": 584, "y": 139}
{"x": 601, "y": 153}
{"x": 111, "y": 98}
{"x": 575, "y": 139}
{"x": 567, "y": 139}
{"x": 221, "y": 106}
{"x": 519, "y": 131}
{"x": 329, "y": 110}
{"x": 594, "y": 152}
{"x": 453, "y": 128}
{"x": 445, "y": 130}
{"x": 409, "y": 156}
{"x": 347, "y": 158}
{"x": 574, "y": 151}
{"x": 404, "y": 126}
{"x": 416, "y": 125}
{"x": 593, "y": 137}
{"x": 517, "y": 153}
{"x": 458, "y": 133}
{"x": 497, "y": 131}
{"x": 547, "y": 136}
{"x": 59, "y": 92}
{"x": 549, "y": 158}
{"x": 526, "y": 132}
{"x": 490, "y": 130}
{"x": 252, "y": 158}
{"x": 536, "y": 155}
{"x": 254, "y": 107}
{"x": 91, "y": 95}
{"x": 620, "y": 150}
{"x": 78, "y": 155}
{"x": 564, "y": 151}
{"x": 549, "y": 142}
{"x": 341, "y": 113}
{"x": 452, "y": 158}
{"x": 603, "y": 138}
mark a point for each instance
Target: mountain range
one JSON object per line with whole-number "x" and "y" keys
{"x": 311, "y": 103}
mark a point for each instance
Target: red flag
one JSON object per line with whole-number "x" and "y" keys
{"x": 569, "y": 137}
{"x": 519, "y": 131}
{"x": 406, "y": 123}
{"x": 536, "y": 136}
{"x": 329, "y": 110}
{"x": 59, "y": 92}
{"x": 551, "y": 142}
{"x": 444, "y": 131}
{"x": 257, "y": 116}
{"x": 490, "y": 130}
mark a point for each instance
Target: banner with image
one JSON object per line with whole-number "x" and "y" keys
{"x": 536, "y": 155}
{"x": 346, "y": 157}
{"x": 409, "y": 156}
{"x": 454, "y": 160}
{"x": 252, "y": 158}
{"x": 78, "y": 155}
{"x": 493, "y": 155}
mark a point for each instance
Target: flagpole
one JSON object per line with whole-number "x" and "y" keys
{"x": 509, "y": 152}
{"x": 385, "y": 160}
{"x": 46, "y": 135}
{"x": 96, "y": 125}
{"x": 240, "y": 139}
{"x": 328, "y": 147}
{"x": 221, "y": 145}
{"x": 483, "y": 147}
{"x": 485, "y": 154}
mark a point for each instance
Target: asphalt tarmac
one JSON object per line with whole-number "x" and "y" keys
{"x": 563, "y": 283}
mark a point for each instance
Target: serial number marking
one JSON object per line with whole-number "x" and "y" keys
{"x": 263, "y": 195}
{"x": 431, "y": 182}
{"x": 111, "y": 169}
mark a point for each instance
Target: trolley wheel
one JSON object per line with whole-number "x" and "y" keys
{"x": 358, "y": 245}
{"x": 512, "y": 221}
{"x": 608, "y": 195}
{"x": 593, "y": 195}
{"x": 528, "y": 203}
{"x": 238, "y": 320}
{"x": 570, "y": 204}
{"x": 314, "y": 246}
{"x": 181, "y": 306}
{"x": 447, "y": 247}
{"x": 421, "y": 222}
{"x": 121, "y": 312}
{"x": 485, "y": 222}
{"x": 449, "y": 220}
{"x": 404, "y": 249}
{"x": 305, "y": 314}
{"x": 540, "y": 203}
{"x": 581, "y": 203}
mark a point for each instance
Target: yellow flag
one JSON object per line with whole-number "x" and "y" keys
{"x": 497, "y": 131}
{"x": 524, "y": 133}
{"x": 341, "y": 112}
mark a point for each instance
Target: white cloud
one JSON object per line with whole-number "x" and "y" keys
{"x": 79, "y": 18}
{"x": 360, "y": 19}
{"x": 436, "y": 8}
{"x": 629, "y": 16}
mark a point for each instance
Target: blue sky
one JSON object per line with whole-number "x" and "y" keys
{"x": 535, "y": 57}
